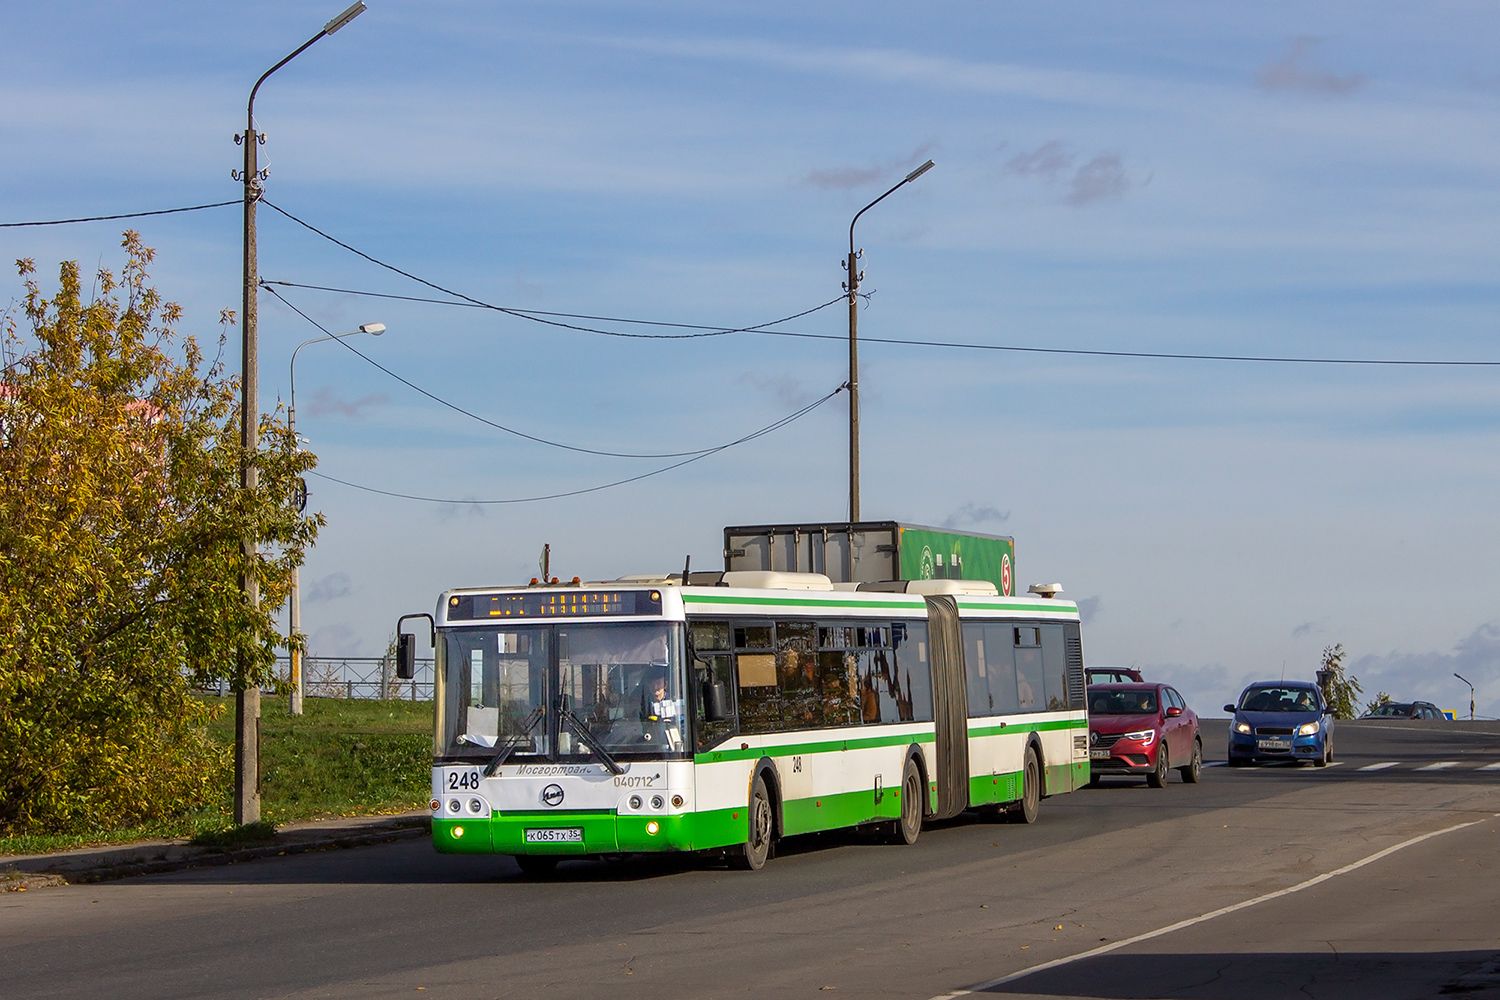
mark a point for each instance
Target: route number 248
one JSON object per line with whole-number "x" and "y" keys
{"x": 468, "y": 780}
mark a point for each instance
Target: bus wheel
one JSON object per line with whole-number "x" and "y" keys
{"x": 536, "y": 865}
{"x": 906, "y": 829}
{"x": 1031, "y": 791}
{"x": 752, "y": 857}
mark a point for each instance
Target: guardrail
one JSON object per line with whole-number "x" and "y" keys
{"x": 355, "y": 677}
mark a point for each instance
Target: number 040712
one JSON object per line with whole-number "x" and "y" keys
{"x": 465, "y": 780}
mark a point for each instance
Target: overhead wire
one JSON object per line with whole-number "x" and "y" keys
{"x": 498, "y": 426}
{"x": 125, "y": 215}
{"x": 804, "y": 411}
{"x": 900, "y": 341}
{"x": 537, "y": 316}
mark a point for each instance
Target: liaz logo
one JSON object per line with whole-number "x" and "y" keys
{"x": 552, "y": 795}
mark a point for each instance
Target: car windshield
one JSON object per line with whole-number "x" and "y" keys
{"x": 1278, "y": 699}
{"x": 1106, "y": 701}
{"x": 1391, "y": 709}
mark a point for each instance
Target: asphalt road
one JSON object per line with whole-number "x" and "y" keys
{"x": 970, "y": 904}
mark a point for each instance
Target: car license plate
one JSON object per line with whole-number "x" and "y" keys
{"x": 1274, "y": 744}
{"x": 1099, "y": 754}
{"x": 556, "y": 835}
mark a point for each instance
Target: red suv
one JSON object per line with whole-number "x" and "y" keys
{"x": 1142, "y": 729}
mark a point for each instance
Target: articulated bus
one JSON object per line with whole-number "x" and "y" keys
{"x": 642, "y": 715}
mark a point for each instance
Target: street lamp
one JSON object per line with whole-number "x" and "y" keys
{"x": 851, "y": 285}
{"x": 1471, "y": 696}
{"x": 294, "y": 607}
{"x": 247, "y": 697}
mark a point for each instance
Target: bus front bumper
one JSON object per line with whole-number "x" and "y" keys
{"x": 570, "y": 833}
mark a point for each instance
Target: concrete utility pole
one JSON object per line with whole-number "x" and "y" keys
{"x": 851, "y": 286}
{"x": 247, "y": 695}
{"x": 294, "y": 598}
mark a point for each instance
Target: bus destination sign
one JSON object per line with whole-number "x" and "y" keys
{"x": 554, "y": 604}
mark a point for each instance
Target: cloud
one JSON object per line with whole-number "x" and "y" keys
{"x": 1101, "y": 178}
{"x": 1294, "y": 72}
{"x": 1089, "y": 608}
{"x": 324, "y": 402}
{"x": 971, "y": 514}
{"x": 844, "y": 178}
{"x": 1429, "y": 676}
{"x": 1308, "y": 628}
{"x": 788, "y": 389}
{"x": 330, "y": 588}
{"x": 1048, "y": 160}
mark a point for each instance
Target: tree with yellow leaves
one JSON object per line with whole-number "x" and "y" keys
{"x": 121, "y": 521}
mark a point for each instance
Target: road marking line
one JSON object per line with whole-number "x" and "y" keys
{"x": 1221, "y": 763}
{"x": 1222, "y": 911}
{"x": 1439, "y": 766}
{"x": 1381, "y": 766}
{"x": 1491, "y": 767}
{"x": 1335, "y": 763}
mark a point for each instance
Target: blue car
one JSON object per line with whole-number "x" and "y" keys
{"x": 1280, "y": 720}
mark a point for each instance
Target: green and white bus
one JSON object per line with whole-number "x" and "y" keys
{"x": 642, "y": 715}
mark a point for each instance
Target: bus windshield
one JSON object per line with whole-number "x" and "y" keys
{"x": 550, "y": 691}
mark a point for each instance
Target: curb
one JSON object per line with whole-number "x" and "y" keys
{"x": 108, "y": 863}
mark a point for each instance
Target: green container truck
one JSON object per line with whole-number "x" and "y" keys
{"x": 872, "y": 552}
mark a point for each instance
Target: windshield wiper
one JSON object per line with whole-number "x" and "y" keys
{"x": 537, "y": 715}
{"x": 582, "y": 732}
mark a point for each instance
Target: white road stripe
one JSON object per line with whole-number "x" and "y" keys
{"x": 1491, "y": 767}
{"x": 1222, "y": 911}
{"x": 1439, "y": 766}
{"x": 1221, "y": 763}
{"x": 1381, "y": 766}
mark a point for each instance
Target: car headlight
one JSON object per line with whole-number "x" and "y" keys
{"x": 1145, "y": 736}
{"x": 1309, "y": 729}
{"x": 1243, "y": 727}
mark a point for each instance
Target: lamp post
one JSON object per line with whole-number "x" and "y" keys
{"x": 294, "y": 598}
{"x": 851, "y": 285}
{"x": 1471, "y": 696}
{"x": 247, "y": 696}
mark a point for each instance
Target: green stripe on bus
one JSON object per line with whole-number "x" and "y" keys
{"x": 825, "y": 746}
{"x": 792, "y": 602}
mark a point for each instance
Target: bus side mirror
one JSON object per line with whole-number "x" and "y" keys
{"x": 716, "y": 701}
{"x": 406, "y": 656}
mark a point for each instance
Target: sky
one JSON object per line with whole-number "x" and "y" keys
{"x": 1270, "y": 180}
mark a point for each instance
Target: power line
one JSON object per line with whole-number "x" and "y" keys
{"x": 908, "y": 342}
{"x": 595, "y": 489}
{"x": 697, "y": 453}
{"x": 536, "y": 316}
{"x": 127, "y": 215}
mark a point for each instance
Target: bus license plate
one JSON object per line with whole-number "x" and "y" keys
{"x": 1274, "y": 744}
{"x": 1099, "y": 754}
{"x": 556, "y": 835}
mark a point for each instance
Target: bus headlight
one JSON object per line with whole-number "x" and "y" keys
{"x": 455, "y": 806}
{"x": 458, "y": 832}
{"x": 476, "y": 806}
{"x": 635, "y": 802}
{"x": 652, "y": 827}
{"x": 657, "y": 802}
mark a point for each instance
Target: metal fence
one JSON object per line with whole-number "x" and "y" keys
{"x": 367, "y": 677}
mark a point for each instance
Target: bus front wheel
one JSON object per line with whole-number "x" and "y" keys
{"x": 757, "y": 847}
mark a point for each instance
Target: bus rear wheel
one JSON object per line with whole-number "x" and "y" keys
{"x": 536, "y": 865}
{"x": 906, "y": 829}
{"x": 1031, "y": 791}
{"x": 761, "y": 830}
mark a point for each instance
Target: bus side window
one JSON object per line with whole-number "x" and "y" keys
{"x": 1054, "y": 668}
{"x": 711, "y": 683}
{"x": 797, "y": 673}
{"x": 914, "y": 667}
{"x": 976, "y": 668}
{"x": 1028, "y": 647}
{"x": 755, "y": 672}
{"x": 1000, "y": 662}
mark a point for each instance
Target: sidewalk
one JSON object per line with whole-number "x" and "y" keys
{"x": 20, "y": 872}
